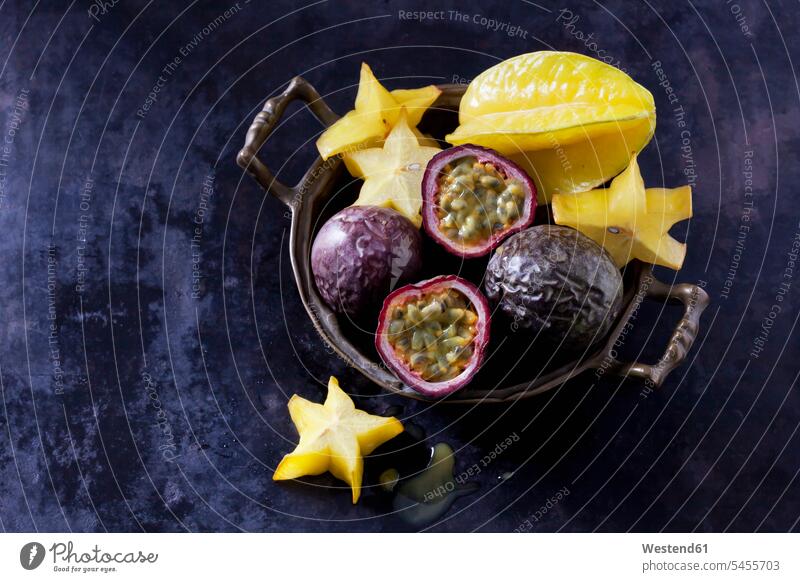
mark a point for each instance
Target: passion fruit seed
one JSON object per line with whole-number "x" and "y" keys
{"x": 476, "y": 201}
{"x": 433, "y": 334}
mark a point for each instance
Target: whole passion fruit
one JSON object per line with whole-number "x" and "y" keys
{"x": 434, "y": 334}
{"x": 555, "y": 282}
{"x": 473, "y": 198}
{"x": 361, "y": 254}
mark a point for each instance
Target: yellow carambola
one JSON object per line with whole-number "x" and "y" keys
{"x": 629, "y": 221}
{"x": 335, "y": 437}
{"x": 376, "y": 112}
{"x": 393, "y": 173}
{"x": 572, "y": 122}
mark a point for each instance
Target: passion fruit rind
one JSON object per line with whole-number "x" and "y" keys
{"x": 557, "y": 283}
{"x": 433, "y": 334}
{"x": 473, "y": 198}
{"x": 361, "y": 254}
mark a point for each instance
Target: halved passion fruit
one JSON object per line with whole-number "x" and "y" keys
{"x": 434, "y": 334}
{"x": 473, "y": 198}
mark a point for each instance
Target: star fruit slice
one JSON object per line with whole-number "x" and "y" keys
{"x": 627, "y": 220}
{"x": 571, "y": 121}
{"x": 376, "y": 112}
{"x": 393, "y": 174}
{"x": 335, "y": 437}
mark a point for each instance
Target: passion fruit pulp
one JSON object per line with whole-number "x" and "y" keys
{"x": 434, "y": 334}
{"x": 473, "y": 198}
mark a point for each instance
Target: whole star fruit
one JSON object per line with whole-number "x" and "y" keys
{"x": 572, "y": 122}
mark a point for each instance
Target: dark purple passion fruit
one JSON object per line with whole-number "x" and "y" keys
{"x": 434, "y": 334}
{"x": 473, "y": 198}
{"x": 361, "y": 254}
{"x": 556, "y": 283}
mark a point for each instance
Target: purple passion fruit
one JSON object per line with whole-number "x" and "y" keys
{"x": 361, "y": 254}
{"x": 473, "y": 198}
{"x": 557, "y": 283}
{"x": 434, "y": 334}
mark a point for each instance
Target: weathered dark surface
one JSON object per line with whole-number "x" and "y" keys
{"x": 135, "y": 397}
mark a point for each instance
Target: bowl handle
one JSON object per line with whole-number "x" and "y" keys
{"x": 263, "y": 125}
{"x": 694, "y": 300}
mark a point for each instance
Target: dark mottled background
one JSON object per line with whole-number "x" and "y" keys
{"x": 128, "y": 404}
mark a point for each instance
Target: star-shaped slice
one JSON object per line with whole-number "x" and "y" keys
{"x": 393, "y": 173}
{"x": 334, "y": 437}
{"x": 627, "y": 220}
{"x": 376, "y": 112}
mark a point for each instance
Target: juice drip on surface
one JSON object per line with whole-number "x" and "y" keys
{"x": 422, "y": 499}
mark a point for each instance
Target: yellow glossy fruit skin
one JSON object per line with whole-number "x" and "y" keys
{"x": 629, "y": 221}
{"x": 334, "y": 436}
{"x": 571, "y": 121}
{"x": 393, "y": 173}
{"x": 375, "y": 114}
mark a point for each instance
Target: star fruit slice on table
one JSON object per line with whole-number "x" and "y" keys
{"x": 393, "y": 173}
{"x": 376, "y": 112}
{"x": 629, "y": 221}
{"x": 334, "y": 437}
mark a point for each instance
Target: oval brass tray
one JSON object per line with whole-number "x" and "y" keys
{"x": 311, "y": 199}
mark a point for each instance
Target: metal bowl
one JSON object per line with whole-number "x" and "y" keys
{"x": 310, "y": 200}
